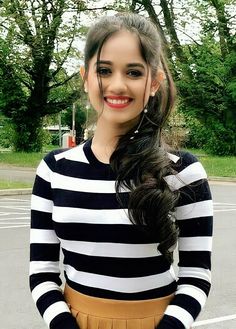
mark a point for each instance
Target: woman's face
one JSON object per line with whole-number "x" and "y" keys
{"x": 125, "y": 79}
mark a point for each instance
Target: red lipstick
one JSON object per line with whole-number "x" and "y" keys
{"x": 117, "y": 102}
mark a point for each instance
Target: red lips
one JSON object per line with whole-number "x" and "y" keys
{"x": 117, "y": 102}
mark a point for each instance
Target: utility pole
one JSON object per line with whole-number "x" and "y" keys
{"x": 60, "y": 135}
{"x": 73, "y": 125}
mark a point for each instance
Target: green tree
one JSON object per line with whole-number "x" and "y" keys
{"x": 210, "y": 98}
{"x": 203, "y": 65}
{"x": 41, "y": 36}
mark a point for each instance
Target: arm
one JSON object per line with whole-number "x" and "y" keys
{"x": 44, "y": 253}
{"x": 194, "y": 217}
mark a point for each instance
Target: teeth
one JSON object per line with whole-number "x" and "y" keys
{"x": 117, "y": 101}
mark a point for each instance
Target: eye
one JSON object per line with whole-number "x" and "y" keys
{"x": 103, "y": 71}
{"x": 135, "y": 73}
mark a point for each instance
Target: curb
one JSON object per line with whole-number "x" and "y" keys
{"x": 20, "y": 191}
{"x": 222, "y": 179}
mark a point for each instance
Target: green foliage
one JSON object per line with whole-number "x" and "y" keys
{"x": 196, "y": 133}
{"x": 55, "y": 139}
{"x": 12, "y": 96}
{"x": 6, "y": 132}
{"x": 8, "y": 184}
{"x": 205, "y": 93}
{"x": 211, "y": 136}
{"x": 219, "y": 166}
{"x": 37, "y": 44}
{"x": 203, "y": 66}
{"x": 210, "y": 97}
{"x": 21, "y": 159}
{"x": 221, "y": 141}
{"x": 230, "y": 89}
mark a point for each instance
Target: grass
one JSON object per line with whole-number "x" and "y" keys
{"x": 6, "y": 184}
{"x": 19, "y": 159}
{"x": 219, "y": 166}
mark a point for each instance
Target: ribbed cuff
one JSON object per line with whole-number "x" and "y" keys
{"x": 64, "y": 321}
{"x": 169, "y": 322}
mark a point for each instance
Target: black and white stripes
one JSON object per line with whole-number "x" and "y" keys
{"x": 74, "y": 208}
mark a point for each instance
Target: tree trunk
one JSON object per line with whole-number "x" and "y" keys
{"x": 170, "y": 27}
{"x": 154, "y": 18}
{"x": 227, "y": 49}
{"x": 226, "y": 43}
{"x": 29, "y": 133}
{"x": 177, "y": 47}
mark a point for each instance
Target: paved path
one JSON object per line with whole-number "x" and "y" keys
{"x": 19, "y": 174}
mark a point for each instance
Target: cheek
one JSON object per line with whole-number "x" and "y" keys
{"x": 143, "y": 89}
{"x": 93, "y": 86}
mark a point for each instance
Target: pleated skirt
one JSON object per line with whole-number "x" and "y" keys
{"x": 100, "y": 313}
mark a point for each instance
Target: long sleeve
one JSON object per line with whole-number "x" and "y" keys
{"x": 194, "y": 217}
{"x": 44, "y": 253}
{"x": 74, "y": 208}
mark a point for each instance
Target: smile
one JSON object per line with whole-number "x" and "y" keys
{"x": 117, "y": 101}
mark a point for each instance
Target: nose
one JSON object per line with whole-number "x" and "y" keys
{"x": 117, "y": 84}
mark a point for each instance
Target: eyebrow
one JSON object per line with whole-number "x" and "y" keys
{"x": 128, "y": 65}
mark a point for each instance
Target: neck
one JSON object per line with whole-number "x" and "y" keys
{"x": 105, "y": 140}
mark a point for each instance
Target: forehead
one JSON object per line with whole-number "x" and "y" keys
{"x": 122, "y": 46}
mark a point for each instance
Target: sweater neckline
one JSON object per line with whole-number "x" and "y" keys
{"x": 91, "y": 156}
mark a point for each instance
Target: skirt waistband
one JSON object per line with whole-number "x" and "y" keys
{"x": 110, "y": 308}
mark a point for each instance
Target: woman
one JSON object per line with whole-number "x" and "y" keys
{"x": 117, "y": 204}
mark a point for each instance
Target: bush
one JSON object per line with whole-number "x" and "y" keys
{"x": 221, "y": 141}
{"x": 55, "y": 139}
{"x": 211, "y": 136}
{"x": 6, "y": 134}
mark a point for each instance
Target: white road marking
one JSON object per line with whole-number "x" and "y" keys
{"x": 12, "y": 213}
{"x": 14, "y": 207}
{"x": 224, "y": 210}
{"x": 15, "y": 200}
{"x": 13, "y": 218}
{"x": 14, "y": 223}
{"x": 224, "y": 204}
{"x": 215, "y": 320}
{"x": 16, "y": 226}
{"x": 18, "y": 217}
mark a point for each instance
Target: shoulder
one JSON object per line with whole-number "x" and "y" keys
{"x": 182, "y": 159}
{"x": 67, "y": 154}
{"x": 60, "y": 161}
{"x": 187, "y": 169}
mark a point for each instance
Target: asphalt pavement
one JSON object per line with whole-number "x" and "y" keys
{"x": 21, "y": 174}
{"x": 17, "y": 174}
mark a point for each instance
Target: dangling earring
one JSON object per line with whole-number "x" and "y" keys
{"x": 140, "y": 123}
{"x": 85, "y": 134}
{"x": 86, "y": 131}
{"x": 153, "y": 93}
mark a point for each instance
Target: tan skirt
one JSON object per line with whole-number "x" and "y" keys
{"x": 100, "y": 313}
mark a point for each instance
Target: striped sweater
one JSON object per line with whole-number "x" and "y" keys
{"x": 74, "y": 209}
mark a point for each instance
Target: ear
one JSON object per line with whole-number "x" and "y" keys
{"x": 82, "y": 72}
{"x": 156, "y": 82}
{"x": 83, "y": 76}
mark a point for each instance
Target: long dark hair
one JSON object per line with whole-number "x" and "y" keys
{"x": 141, "y": 163}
